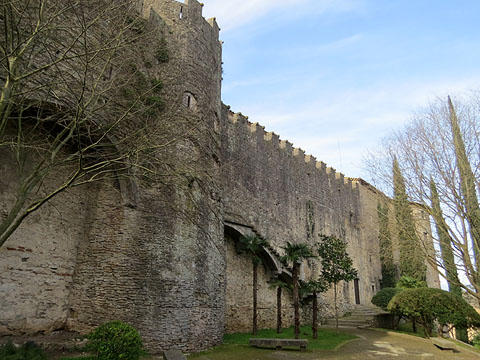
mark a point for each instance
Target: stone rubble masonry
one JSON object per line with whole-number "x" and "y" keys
{"x": 161, "y": 261}
{"x": 160, "y": 266}
{"x": 37, "y": 262}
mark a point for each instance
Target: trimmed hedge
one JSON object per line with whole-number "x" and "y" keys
{"x": 115, "y": 340}
{"x": 383, "y": 297}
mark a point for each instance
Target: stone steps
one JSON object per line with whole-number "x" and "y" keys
{"x": 345, "y": 322}
{"x": 360, "y": 316}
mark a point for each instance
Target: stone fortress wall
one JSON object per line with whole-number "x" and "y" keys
{"x": 286, "y": 195}
{"x": 167, "y": 262}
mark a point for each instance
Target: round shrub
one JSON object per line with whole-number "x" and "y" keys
{"x": 115, "y": 340}
{"x": 383, "y": 297}
{"x": 426, "y": 305}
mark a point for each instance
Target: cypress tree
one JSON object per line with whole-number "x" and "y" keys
{"x": 467, "y": 187}
{"x": 412, "y": 259}
{"x": 389, "y": 277}
{"x": 445, "y": 242}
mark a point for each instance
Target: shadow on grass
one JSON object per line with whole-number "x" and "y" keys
{"x": 235, "y": 346}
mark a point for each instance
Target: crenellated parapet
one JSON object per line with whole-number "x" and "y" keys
{"x": 271, "y": 140}
{"x": 175, "y": 12}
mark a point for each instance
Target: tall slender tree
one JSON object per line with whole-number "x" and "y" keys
{"x": 336, "y": 264}
{"x": 445, "y": 242}
{"x": 253, "y": 245}
{"x": 467, "y": 187}
{"x": 279, "y": 285}
{"x": 412, "y": 260}
{"x": 315, "y": 287}
{"x": 446, "y": 252}
{"x": 294, "y": 255}
{"x": 389, "y": 276}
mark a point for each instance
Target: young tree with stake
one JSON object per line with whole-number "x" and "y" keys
{"x": 336, "y": 264}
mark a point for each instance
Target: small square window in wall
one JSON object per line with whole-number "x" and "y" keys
{"x": 189, "y": 101}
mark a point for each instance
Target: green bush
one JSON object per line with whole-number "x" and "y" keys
{"x": 115, "y": 340}
{"x": 476, "y": 341}
{"x": 162, "y": 54}
{"x": 28, "y": 351}
{"x": 427, "y": 305}
{"x": 408, "y": 282}
{"x": 383, "y": 297}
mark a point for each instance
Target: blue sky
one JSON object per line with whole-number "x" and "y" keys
{"x": 335, "y": 76}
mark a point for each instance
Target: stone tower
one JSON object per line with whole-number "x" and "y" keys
{"x": 166, "y": 275}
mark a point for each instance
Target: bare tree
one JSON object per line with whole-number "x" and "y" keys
{"x": 441, "y": 146}
{"x": 80, "y": 99}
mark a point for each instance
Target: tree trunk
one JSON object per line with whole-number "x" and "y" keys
{"x": 461, "y": 334}
{"x": 414, "y": 325}
{"x": 336, "y": 308}
{"x": 315, "y": 316}
{"x": 296, "y": 301}
{"x": 279, "y": 310}
{"x": 397, "y": 322}
{"x": 427, "y": 324}
{"x": 254, "y": 330}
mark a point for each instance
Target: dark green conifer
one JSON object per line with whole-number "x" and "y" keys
{"x": 412, "y": 259}
{"x": 445, "y": 242}
{"x": 467, "y": 187}
{"x": 389, "y": 277}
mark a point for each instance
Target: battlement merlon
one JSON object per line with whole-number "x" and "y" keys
{"x": 321, "y": 166}
{"x": 173, "y": 11}
{"x": 272, "y": 137}
{"x": 299, "y": 153}
{"x": 310, "y": 159}
{"x": 256, "y": 126}
{"x": 237, "y": 118}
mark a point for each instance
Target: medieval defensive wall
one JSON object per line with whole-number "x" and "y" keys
{"x": 164, "y": 257}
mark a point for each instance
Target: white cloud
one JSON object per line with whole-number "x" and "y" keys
{"x": 231, "y": 14}
{"x": 338, "y": 128}
{"x": 325, "y": 48}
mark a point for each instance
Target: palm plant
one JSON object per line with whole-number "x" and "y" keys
{"x": 294, "y": 255}
{"x": 279, "y": 284}
{"x": 252, "y": 245}
{"x": 315, "y": 287}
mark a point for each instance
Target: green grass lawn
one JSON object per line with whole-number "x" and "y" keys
{"x": 235, "y": 346}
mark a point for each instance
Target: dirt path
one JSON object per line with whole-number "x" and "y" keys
{"x": 374, "y": 344}
{"x": 371, "y": 344}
